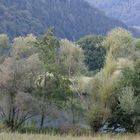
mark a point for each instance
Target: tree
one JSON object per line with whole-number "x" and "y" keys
{"x": 118, "y": 42}
{"x": 48, "y": 46}
{"x": 24, "y": 47}
{"x": 94, "y": 51}
{"x": 4, "y": 41}
{"x": 102, "y": 100}
{"x": 52, "y": 91}
{"x": 126, "y": 113}
{"x": 128, "y": 100}
{"x": 137, "y": 43}
{"x": 17, "y": 77}
{"x": 120, "y": 60}
{"x": 120, "y": 45}
{"x": 71, "y": 58}
{"x": 131, "y": 78}
{"x": 71, "y": 65}
{"x": 53, "y": 87}
{"x": 98, "y": 117}
{"x": 103, "y": 87}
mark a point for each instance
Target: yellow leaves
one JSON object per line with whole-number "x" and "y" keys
{"x": 118, "y": 38}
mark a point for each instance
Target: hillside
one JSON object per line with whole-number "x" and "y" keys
{"x": 127, "y": 11}
{"x": 71, "y": 19}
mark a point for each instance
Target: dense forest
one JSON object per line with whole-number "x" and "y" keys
{"x": 52, "y": 83}
{"x": 71, "y": 19}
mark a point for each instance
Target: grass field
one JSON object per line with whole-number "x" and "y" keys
{"x": 6, "y": 136}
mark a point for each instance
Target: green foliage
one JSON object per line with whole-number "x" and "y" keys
{"x": 53, "y": 89}
{"x": 132, "y": 78}
{"x": 51, "y": 85}
{"x": 126, "y": 113}
{"x": 48, "y": 45}
{"x": 128, "y": 100}
{"x": 137, "y": 43}
{"x": 94, "y": 51}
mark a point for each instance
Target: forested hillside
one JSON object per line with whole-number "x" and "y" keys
{"x": 127, "y": 11}
{"x": 71, "y": 19}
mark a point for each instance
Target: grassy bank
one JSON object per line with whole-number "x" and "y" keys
{"x": 6, "y": 136}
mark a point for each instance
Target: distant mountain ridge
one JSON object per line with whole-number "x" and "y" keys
{"x": 71, "y": 19}
{"x": 127, "y": 11}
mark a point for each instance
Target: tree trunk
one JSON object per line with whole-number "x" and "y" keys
{"x": 42, "y": 120}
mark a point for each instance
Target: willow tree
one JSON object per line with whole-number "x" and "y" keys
{"x": 17, "y": 77}
{"x": 120, "y": 54}
{"x": 120, "y": 45}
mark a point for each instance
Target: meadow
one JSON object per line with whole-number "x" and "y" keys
{"x": 8, "y": 136}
